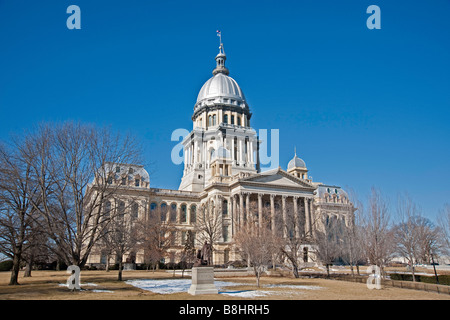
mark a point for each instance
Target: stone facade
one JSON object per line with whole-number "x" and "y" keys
{"x": 221, "y": 174}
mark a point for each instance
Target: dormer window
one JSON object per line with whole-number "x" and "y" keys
{"x": 130, "y": 170}
{"x": 117, "y": 169}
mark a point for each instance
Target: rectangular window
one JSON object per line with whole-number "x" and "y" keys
{"x": 225, "y": 233}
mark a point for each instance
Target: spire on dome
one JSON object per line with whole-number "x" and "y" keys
{"x": 220, "y": 58}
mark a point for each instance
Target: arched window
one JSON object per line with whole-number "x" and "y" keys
{"x": 121, "y": 209}
{"x": 193, "y": 217}
{"x": 214, "y": 120}
{"x": 134, "y": 210}
{"x": 107, "y": 209}
{"x": 238, "y": 120}
{"x": 153, "y": 207}
{"x": 183, "y": 213}
{"x": 232, "y": 119}
{"x": 173, "y": 212}
{"x": 225, "y": 207}
{"x": 210, "y": 121}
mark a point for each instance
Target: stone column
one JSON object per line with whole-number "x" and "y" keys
{"x": 241, "y": 151}
{"x": 180, "y": 213}
{"x": 272, "y": 213}
{"x": 307, "y": 219}
{"x": 251, "y": 151}
{"x": 260, "y": 212}
{"x": 283, "y": 206}
{"x": 185, "y": 159}
{"x": 241, "y": 210}
{"x": 248, "y": 219}
{"x": 232, "y": 149}
{"x": 297, "y": 220}
{"x": 234, "y": 214}
{"x": 219, "y": 212}
{"x": 195, "y": 152}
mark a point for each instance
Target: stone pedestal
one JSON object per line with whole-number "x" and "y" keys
{"x": 129, "y": 266}
{"x": 203, "y": 281}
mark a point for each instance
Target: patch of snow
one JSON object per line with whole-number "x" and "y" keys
{"x": 102, "y": 291}
{"x": 170, "y": 286}
{"x": 81, "y": 285}
{"x": 292, "y": 286}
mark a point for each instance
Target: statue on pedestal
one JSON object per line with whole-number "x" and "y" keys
{"x": 203, "y": 256}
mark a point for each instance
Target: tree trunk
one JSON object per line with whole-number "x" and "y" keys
{"x": 295, "y": 271}
{"x": 107, "y": 263}
{"x": 412, "y": 271}
{"x": 120, "y": 270}
{"x": 29, "y": 267}
{"x": 15, "y": 269}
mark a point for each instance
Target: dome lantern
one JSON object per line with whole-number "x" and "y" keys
{"x": 220, "y": 62}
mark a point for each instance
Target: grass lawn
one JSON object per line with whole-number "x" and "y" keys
{"x": 102, "y": 285}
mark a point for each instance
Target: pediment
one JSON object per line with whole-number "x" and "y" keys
{"x": 278, "y": 177}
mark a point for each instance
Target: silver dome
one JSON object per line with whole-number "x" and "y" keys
{"x": 221, "y": 89}
{"x": 296, "y": 162}
{"x": 221, "y": 86}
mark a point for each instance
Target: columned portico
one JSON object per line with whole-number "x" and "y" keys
{"x": 293, "y": 220}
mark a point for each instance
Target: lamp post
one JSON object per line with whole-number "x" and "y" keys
{"x": 434, "y": 267}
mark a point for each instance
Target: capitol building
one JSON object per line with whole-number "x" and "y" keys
{"x": 222, "y": 175}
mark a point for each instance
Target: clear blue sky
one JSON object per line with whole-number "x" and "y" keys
{"x": 363, "y": 107}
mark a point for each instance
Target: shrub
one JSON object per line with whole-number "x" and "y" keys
{"x": 443, "y": 279}
{"x": 6, "y": 265}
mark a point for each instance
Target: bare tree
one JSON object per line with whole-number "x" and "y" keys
{"x": 378, "y": 243}
{"x": 407, "y": 231}
{"x": 329, "y": 240}
{"x": 444, "y": 223}
{"x": 293, "y": 239}
{"x": 73, "y": 170}
{"x": 156, "y": 235}
{"x": 258, "y": 246}
{"x": 208, "y": 225}
{"x": 122, "y": 236}
{"x": 18, "y": 190}
{"x": 353, "y": 250}
{"x": 37, "y": 249}
{"x": 188, "y": 255}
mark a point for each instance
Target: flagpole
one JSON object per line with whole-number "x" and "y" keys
{"x": 219, "y": 33}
